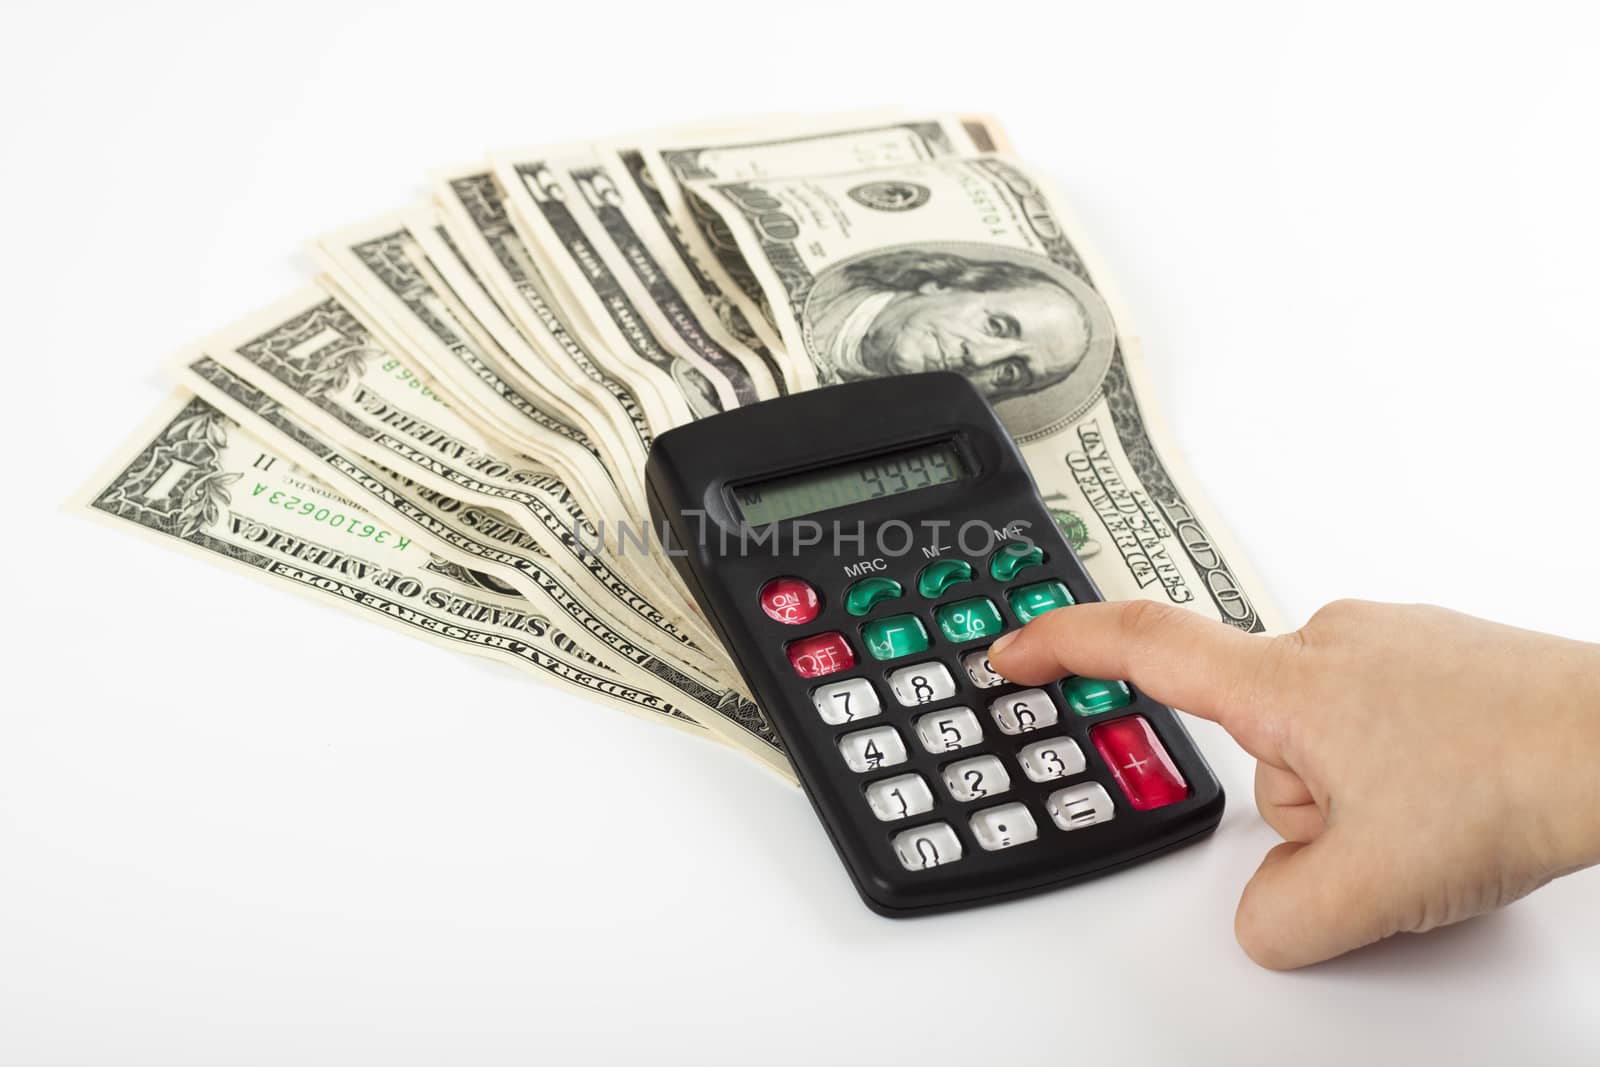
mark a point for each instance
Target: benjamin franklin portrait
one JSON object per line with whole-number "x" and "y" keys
{"x": 1033, "y": 337}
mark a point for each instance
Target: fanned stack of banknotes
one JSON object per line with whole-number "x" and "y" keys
{"x": 447, "y": 429}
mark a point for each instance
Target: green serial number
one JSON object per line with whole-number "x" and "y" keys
{"x": 333, "y": 520}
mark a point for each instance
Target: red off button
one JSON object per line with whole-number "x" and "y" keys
{"x": 790, "y": 601}
{"x": 1140, "y": 765}
{"x": 821, "y": 654}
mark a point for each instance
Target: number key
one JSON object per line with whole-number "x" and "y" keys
{"x": 922, "y": 683}
{"x": 981, "y": 776}
{"x": 1052, "y": 758}
{"x": 978, "y": 668}
{"x": 870, "y": 750}
{"x": 927, "y": 846}
{"x": 948, "y": 730}
{"x": 1018, "y": 713}
{"x": 899, "y": 798}
{"x": 847, "y": 701}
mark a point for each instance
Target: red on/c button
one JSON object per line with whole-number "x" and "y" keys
{"x": 790, "y": 601}
{"x": 820, "y": 654}
{"x": 1140, "y": 765}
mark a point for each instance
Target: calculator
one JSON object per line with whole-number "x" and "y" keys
{"x": 857, "y": 548}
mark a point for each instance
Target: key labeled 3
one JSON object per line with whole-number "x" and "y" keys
{"x": 1055, "y": 757}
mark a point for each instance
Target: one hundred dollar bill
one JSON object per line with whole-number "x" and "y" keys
{"x": 971, "y": 265}
{"x": 810, "y": 146}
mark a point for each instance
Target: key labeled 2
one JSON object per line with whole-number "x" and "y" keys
{"x": 973, "y": 779}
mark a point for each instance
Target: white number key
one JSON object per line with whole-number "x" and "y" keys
{"x": 869, "y": 750}
{"x": 847, "y": 701}
{"x": 948, "y": 730}
{"x": 1018, "y": 713}
{"x": 1078, "y": 806}
{"x": 927, "y": 846}
{"x": 922, "y": 683}
{"x": 1054, "y": 757}
{"x": 976, "y": 664}
{"x": 899, "y": 798}
{"x": 972, "y": 779}
{"x": 1002, "y": 827}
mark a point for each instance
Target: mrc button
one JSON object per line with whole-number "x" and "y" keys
{"x": 861, "y": 597}
{"x": 790, "y": 601}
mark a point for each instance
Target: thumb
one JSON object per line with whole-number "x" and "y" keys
{"x": 1175, "y": 656}
{"x": 1311, "y": 902}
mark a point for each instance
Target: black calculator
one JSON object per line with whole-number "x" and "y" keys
{"x": 858, "y": 548}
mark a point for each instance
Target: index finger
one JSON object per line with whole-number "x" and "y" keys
{"x": 1176, "y": 656}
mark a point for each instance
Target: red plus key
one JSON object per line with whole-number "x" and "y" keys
{"x": 1140, "y": 765}
{"x": 790, "y": 600}
{"x": 821, "y": 654}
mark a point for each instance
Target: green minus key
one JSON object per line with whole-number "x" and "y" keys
{"x": 1095, "y": 696}
{"x": 1034, "y": 600}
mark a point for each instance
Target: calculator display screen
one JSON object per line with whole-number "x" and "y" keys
{"x": 809, "y": 492}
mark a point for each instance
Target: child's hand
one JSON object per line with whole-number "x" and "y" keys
{"x": 1422, "y": 766}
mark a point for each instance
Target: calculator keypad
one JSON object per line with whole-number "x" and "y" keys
{"x": 870, "y": 750}
{"x": 922, "y": 683}
{"x": 846, "y": 701}
{"x": 976, "y": 778}
{"x": 927, "y": 846}
{"x": 1003, "y": 827}
{"x": 1023, "y": 712}
{"x": 899, "y": 798}
{"x": 949, "y": 730}
{"x": 1039, "y": 783}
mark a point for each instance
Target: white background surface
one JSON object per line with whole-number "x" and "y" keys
{"x": 240, "y": 827}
